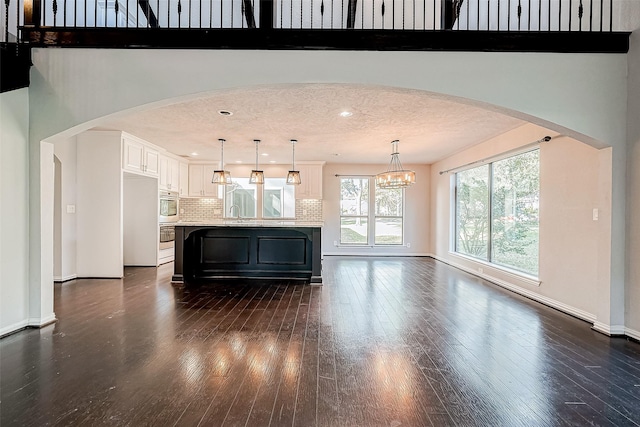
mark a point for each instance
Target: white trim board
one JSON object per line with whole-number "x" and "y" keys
{"x": 7, "y": 330}
{"x": 632, "y": 333}
{"x": 59, "y": 279}
{"x": 38, "y": 322}
{"x": 376, "y": 254}
{"x": 610, "y": 330}
{"x": 28, "y": 323}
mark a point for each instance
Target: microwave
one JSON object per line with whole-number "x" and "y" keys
{"x": 168, "y": 206}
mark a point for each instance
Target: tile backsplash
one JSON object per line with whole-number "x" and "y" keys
{"x": 309, "y": 210}
{"x": 207, "y": 209}
{"x": 200, "y": 209}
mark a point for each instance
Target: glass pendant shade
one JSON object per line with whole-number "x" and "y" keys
{"x": 293, "y": 177}
{"x": 221, "y": 177}
{"x": 395, "y": 176}
{"x": 257, "y": 176}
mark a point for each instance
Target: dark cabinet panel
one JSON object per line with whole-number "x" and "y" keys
{"x": 282, "y": 250}
{"x": 212, "y": 252}
{"x": 224, "y": 250}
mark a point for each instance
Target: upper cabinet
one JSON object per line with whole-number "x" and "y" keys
{"x": 200, "y": 184}
{"x": 183, "y": 172}
{"x": 169, "y": 173}
{"x": 311, "y": 180}
{"x": 139, "y": 157}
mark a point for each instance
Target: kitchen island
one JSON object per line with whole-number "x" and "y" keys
{"x": 231, "y": 249}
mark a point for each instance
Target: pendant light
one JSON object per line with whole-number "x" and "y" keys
{"x": 395, "y": 176}
{"x": 221, "y": 177}
{"x": 257, "y": 176}
{"x": 293, "y": 177}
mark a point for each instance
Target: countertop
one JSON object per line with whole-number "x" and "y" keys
{"x": 249, "y": 223}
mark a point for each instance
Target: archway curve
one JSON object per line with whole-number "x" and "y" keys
{"x": 581, "y": 93}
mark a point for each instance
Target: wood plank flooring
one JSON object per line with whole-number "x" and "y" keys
{"x": 385, "y": 342}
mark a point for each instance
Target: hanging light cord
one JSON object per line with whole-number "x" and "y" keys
{"x": 257, "y": 141}
{"x": 395, "y": 164}
{"x": 221, "y": 153}
{"x": 293, "y": 160}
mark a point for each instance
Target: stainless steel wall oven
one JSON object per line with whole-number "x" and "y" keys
{"x": 167, "y": 236}
{"x": 168, "y": 206}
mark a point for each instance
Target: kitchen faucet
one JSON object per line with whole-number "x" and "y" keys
{"x": 237, "y": 211}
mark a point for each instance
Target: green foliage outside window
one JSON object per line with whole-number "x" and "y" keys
{"x": 508, "y": 235}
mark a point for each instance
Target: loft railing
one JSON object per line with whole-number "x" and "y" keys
{"x": 531, "y": 16}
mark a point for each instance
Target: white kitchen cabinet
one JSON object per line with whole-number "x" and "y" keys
{"x": 183, "y": 172}
{"x": 138, "y": 157}
{"x": 311, "y": 181}
{"x": 168, "y": 173}
{"x": 174, "y": 183}
{"x": 200, "y": 184}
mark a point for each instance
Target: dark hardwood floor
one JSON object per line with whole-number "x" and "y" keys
{"x": 385, "y": 342}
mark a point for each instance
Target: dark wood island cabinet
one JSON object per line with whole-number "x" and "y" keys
{"x": 251, "y": 249}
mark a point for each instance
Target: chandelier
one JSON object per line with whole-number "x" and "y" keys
{"x": 395, "y": 176}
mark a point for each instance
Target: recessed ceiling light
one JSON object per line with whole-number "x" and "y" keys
{"x": 194, "y": 154}
{"x": 238, "y": 161}
{"x": 225, "y": 113}
{"x": 272, "y": 161}
{"x": 346, "y": 114}
{"x": 265, "y": 154}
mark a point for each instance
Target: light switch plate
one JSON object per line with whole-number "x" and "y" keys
{"x": 596, "y": 214}
{"x": 71, "y": 209}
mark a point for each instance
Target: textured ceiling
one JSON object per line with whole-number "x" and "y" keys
{"x": 429, "y": 127}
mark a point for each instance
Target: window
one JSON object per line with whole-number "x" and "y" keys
{"x": 497, "y": 211}
{"x": 364, "y": 224}
{"x": 354, "y": 211}
{"x": 240, "y": 199}
{"x": 244, "y": 200}
{"x": 278, "y": 199}
{"x": 388, "y": 226}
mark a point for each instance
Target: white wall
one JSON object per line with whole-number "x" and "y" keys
{"x": 14, "y": 210}
{"x": 57, "y": 219}
{"x": 65, "y": 151}
{"x": 633, "y": 202}
{"x": 574, "y": 179}
{"x": 416, "y": 225}
{"x": 99, "y": 210}
{"x": 140, "y": 220}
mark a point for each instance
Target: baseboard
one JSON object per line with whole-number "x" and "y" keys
{"x": 375, "y": 254}
{"x": 609, "y": 330}
{"x": 37, "y": 322}
{"x": 59, "y": 279}
{"x": 632, "y": 333}
{"x": 565, "y": 308}
{"x": 18, "y": 326}
{"x": 33, "y": 322}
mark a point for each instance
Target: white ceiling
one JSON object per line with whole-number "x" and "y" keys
{"x": 429, "y": 126}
